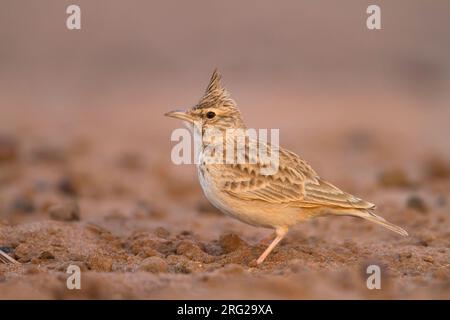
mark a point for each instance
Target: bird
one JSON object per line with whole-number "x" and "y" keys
{"x": 278, "y": 200}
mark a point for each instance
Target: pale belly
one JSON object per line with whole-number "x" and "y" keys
{"x": 255, "y": 213}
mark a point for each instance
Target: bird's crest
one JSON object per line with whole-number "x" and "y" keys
{"x": 216, "y": 94}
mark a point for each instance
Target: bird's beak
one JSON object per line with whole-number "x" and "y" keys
{"x": 182, "y": 115}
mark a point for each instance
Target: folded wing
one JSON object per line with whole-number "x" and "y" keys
{"x": 295, "y": 183}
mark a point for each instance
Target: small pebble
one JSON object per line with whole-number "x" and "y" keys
{"x": 4, "y": 223}
{"x": 46, "y": 255}
{"x": 8, "y": 148}
{"x": 67, "y": 186}
{"x": 99, "y": 263}
{"x": 232, "y": 269}
{"x": 32, "y": 269}
{"x": 149, "y": 252}
{"x": 297, "y": 265}
{"x": 403, "y": 256}
{"x": 23, "y": 253}
{"x": 154, "y": 265}
{"x": 425, "y": 239}
{"x": 408, "y": 255}
{"x": 7, "y": 249}
{"x": 23, "y": 204}
{"x": 162, "y": 232}
{"x": 144, "y": 209}
{"x": 182, "y": 268}
{"x": 441, "y": 201}
{"x": 253, "y": 264}
{"x": 417, "y": 203}
{"x": 49, "y": 154}
{"x": 193, "y": 252}
{"x": 437, "y": 168}
{"x": 131, "y": 161}
{"x": 68, "y": 211}
{"x": 395, "y": 178}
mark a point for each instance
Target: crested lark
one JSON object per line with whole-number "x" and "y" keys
{"x": 294, "y": 193}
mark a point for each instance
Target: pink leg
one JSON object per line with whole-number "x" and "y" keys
{"x": 281, "y": 232}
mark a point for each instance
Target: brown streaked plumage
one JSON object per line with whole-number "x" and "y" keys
{"x": 293, "y": 194}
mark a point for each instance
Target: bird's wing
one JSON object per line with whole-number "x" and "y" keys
{"x": 246, "y": 181}
{"x": 295, "y": 183}
{"x": 321, "y": 192}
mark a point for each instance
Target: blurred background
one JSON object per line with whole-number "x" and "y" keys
{"x": 311, "y": 65}
{"x": 81, "y": 111}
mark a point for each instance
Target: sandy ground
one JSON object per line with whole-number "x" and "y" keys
{"x": 107, "y": 198}
{"x": 85, "y": 171}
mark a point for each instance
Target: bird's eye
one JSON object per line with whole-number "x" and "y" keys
{"x": 210, "y": 114}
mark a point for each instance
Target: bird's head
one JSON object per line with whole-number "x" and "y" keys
{"x": 215, "y": 110}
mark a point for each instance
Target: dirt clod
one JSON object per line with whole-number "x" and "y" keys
{"x": 67, "y": 185}
{"x": 230, "y": 242}
{"x": 68, "y": 211}
{"x": 46, "y": 255}
{"x": 192, "y": 251}
{"x": 23, "y": 204}
{"x": 395, "y": 178}
{"x": 437, "y": 168}
{"x": 162, "y": 232}
{"x": 9, "y": 148}
{"x": 417, "y": 203}
{"x": 99, "y": 262}
{"x": 154, "y": 265}
{"x": 48, "y": 154}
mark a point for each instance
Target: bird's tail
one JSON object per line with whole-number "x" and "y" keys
{"x": 368, "y": 215}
